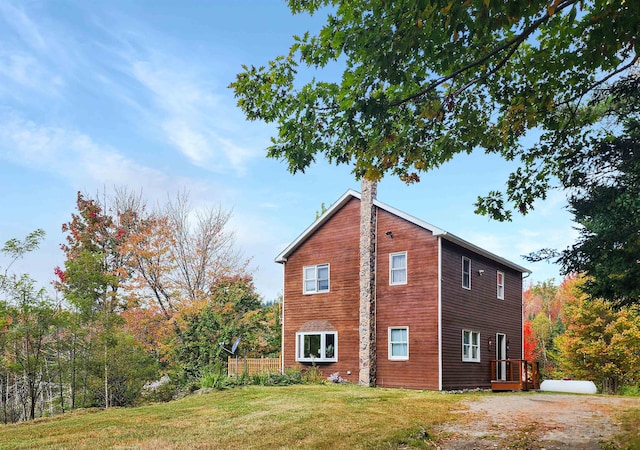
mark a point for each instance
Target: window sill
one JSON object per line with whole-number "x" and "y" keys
{"x": 317, "y": 360}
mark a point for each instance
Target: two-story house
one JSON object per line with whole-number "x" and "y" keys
{"x": 445, "y": 310}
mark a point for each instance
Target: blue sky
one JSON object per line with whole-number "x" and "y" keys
{"x": 134, "y": 93}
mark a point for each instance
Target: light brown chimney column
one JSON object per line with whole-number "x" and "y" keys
{"x": 367, "y": 324}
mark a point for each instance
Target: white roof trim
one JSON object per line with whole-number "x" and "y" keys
{"x": 409, "y": 218}
{"x": 468, "y": 245}
{"x": 282, "y": 257}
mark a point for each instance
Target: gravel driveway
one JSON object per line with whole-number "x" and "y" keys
{"x": 537, "y": 421}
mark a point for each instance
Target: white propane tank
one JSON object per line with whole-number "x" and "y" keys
{"x": 572, "y": 386}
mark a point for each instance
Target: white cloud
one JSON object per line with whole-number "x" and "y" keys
{"x": 553, "y": 205}
{"x": 72, "y": 156}
{"x": 23, "y": 26}
{"x": 24, "y": 70}
{"x": 31, "y": 58}
{"x": 193, "y": 144}
{"x": 167, "y": 92}
{"x": 193, "y": 118}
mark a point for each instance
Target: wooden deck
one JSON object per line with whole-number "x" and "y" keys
{"x": 514, "y": 375}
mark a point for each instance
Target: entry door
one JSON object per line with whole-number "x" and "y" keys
{"x": 501, "y": 356}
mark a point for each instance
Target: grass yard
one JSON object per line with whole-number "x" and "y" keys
{"x": 328, "y": 416}
{"x": 630, "y": 436}
{"x": 298, "y": 416}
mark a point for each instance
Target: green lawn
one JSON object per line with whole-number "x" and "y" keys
{"x": 330, "y": 416}
{"x": 299, "y": 416}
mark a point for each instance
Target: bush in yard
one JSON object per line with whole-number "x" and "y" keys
{"x": 162, "y": 390}
{"x": 312, "y": 375}
{"x": 214, "y": 376}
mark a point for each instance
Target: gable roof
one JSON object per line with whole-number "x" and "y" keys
{"x": 282, "y": 257}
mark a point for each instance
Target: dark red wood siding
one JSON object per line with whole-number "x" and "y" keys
{"x": 478, "y": 310}
{"x": 336, "y": 243}
{"x": 413, "y": 305}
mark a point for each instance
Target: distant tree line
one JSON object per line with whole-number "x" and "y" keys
{"x": 574, "y": 336}
{"x": 144, "y": 295}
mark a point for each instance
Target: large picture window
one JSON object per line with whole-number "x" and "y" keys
{"x": 466, "y": 272}
{"x": 399, "y": 343}
{"x": 470, "y": 346}
{"x": 315, "y": 279}
{"x": 398, "y": 268}
{"x": 319, "y": 346}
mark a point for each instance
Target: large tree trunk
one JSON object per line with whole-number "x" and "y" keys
{"x": 367, "y": 325}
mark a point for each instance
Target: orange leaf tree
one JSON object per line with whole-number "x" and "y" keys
{"x": 601, "y": 343}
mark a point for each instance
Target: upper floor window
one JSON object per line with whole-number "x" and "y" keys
{"x": 470, "y": 346}
{"x": 466, "y": 272}
{"x": 500, "y": 285}
{"x": 320, "y": 346}
{"x": 399, "y": 343}
{"x": 398, "y": 268}
{"x": 316, "y": 279}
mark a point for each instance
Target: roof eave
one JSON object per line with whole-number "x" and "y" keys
{"x": 282, "y": 257}
{"x": 468, "y": 245}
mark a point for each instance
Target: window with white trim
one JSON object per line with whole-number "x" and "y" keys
{"x": 398, "y": 268}
{"x": 315, "y": 279}
{"x": 399, "y": 343}
{"x": 317, "y": 346}
{"x": 466, "y": 272}
{"x": 470, "y": 346}
{"x": 500, "y": 285}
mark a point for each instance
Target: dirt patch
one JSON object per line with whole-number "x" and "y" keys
{"x": 536, "y": 421}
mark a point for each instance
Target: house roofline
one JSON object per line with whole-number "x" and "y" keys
{"x": 468, "y": 245}
{"x": 282, "y": 257}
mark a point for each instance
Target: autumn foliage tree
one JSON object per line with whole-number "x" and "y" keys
{"x": 601, "y": 343}
{"x": 592, "y": 339}
{"x": 143, "y": 293}
{"x": 95, "y": 270}
{"x": 232, "y": 310}
{"x": 532, "y": 349}
{"x": 170, "y": 264}
{"x": 542, "y": 322}
{"x": 176, "y": 257}
{"x": 602, "y": 177}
